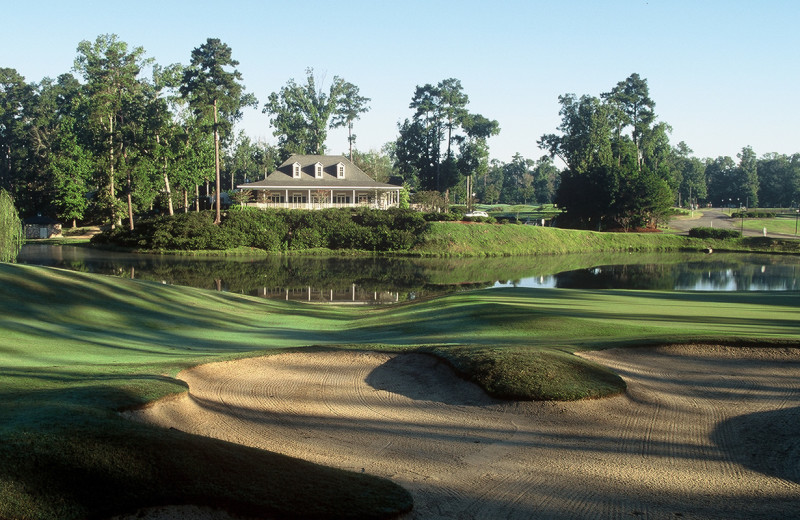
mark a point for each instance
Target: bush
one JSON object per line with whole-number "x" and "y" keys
{"x": 707, "y": 232}
{"x": 365, "y": 229}
{"x": 486, "y": 220}
{"x": 752, "y": 214}
{"x": 262, "y": 229}
{"x": 443, "y": 217}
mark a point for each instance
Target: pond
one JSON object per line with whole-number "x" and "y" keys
{"x": 393, "y": 279}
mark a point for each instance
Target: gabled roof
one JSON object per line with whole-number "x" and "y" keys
{"x": 354, "y": 177}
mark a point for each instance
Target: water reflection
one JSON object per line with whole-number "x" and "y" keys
{"x": 390, "y": 280}
{"x": 731, "y": 272}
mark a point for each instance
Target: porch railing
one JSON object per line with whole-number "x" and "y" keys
{"x": 319, "y": 205}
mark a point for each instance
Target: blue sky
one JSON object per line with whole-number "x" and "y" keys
{"x": 723, "y": 74}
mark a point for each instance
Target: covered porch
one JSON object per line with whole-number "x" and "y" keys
{"x": 293, "y": 198}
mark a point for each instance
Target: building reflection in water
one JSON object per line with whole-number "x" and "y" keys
{"x": 354, "y": 295}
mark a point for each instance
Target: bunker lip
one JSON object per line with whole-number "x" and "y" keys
{"x": 677, "y": 442}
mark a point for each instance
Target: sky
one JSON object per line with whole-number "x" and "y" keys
{"x": 723, "y": 74}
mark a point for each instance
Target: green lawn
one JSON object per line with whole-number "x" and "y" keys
{"x": 784, "y": 224}
{"x": 76, "y": 348}
{"x": 460, "y": 239}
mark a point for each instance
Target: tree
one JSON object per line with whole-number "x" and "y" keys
{"x": 588, "y": 197}
{"x": 302, "y": 114}
{"x": 473, "y": 160}
{"x": 632, "y": 106}
{"x": 162, "y": 135}
{"x": 721, "y": 180}
{"x": 425, "y": 147}
{"x": 241, "y": 160}
{"x": 111, "y": 74}
{"x": 62, "y": 157}
{"x": 351, "y": 105}
{"x": 585, "y": 140}
{"x": 779, "y": 180}
{"x": 412, "y": 155}
{"x": 613, "y": 178}
{"x": 748, "y": 176}
{"x": 546, "y": 178}
{"x": 517, "y": 181}
{"x": 453, "y": 102}
{"x": 489, "y": 188}
{"x": 71, "y": 167}
{"x": 691, "y": 175}
{"x": 11, "y": 237}
{"x": 378, "y": 164}
{"x": 213, "y": 89}
{"x": 16, "y": 101}
{"x": 266, "y": 157}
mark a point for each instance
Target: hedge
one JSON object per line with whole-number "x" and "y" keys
{"x": 275, "y": 230}
{"x": 753, "y": 214}
{"x": 708, "y": 232}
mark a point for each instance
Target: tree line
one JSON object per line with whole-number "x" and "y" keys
{"x": 621, "y": 171}
{"x": 104, "y": 142}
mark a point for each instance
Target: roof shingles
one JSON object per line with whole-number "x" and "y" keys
{"x": 354, "y": 177}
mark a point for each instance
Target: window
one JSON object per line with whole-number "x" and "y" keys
{"x": 340, "y": 171}
{"x": 342, "y": 199}
{"x": 318, "y": 171}
{"x": 296, "y": 170}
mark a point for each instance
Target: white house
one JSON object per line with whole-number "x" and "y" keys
{"x": 321, "y": 181}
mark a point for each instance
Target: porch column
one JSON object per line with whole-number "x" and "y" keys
{"x": 330, "y": 201}
{"x": 286, "y": 199}
{"x": 309, "y": 204}
{"x": 353, "y": 200}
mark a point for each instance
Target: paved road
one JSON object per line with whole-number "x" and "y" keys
{"x": 716, "y": 218}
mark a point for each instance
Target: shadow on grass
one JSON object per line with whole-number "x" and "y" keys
{"x": 80, "y": 461}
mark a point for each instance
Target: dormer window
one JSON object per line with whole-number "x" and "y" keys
{"x": 296, "y": 170}
{"x": 340, "y": 171}
{"x": 318, "y": 171}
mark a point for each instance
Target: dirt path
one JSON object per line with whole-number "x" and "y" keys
{"x": 701, "y": 432}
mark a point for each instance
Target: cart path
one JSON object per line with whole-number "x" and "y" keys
{"x": 681, "y": 440}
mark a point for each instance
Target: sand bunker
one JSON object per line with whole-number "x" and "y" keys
{"x": 702, "y": 432}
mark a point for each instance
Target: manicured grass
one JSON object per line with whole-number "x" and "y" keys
{"x": 77, "y": 348}
{"x": 461, "y": 239}
{"x": 784, "y": 224}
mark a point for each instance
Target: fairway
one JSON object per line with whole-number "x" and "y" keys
{"x": 78, "y": 348}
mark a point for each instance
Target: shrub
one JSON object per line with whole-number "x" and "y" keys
{"x": 366, "y": 229}
{"x": 306, "y": 238}
{"x": 707, "y": 232}
{"x": 487, "y": 220}
{"x": 262, "y": 229}
{"x": 753, "y": 214}
{"x": 443, "y": 217}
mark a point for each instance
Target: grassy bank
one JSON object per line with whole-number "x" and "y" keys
{"x": 77, "y": 348}
{"x": 459, "y": 239}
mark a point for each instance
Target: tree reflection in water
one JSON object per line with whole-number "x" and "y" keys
{"x": 394, "y": 279}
